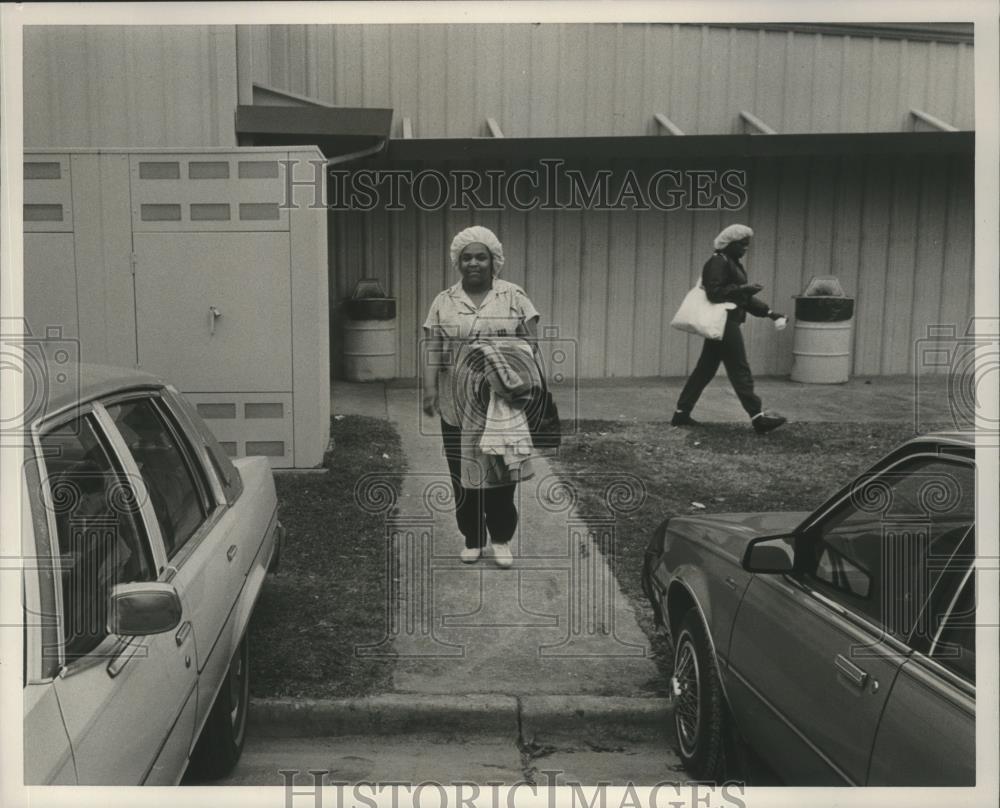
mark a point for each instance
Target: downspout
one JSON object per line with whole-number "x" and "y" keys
{"x": 366, "y": 152}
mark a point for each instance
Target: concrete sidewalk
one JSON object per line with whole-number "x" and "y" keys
{"x": 554, "y": 624}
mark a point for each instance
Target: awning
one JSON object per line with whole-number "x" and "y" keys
{"x": 686, "y": 146}
{"x": 280, "y": 118}
{"x": 283, "y": 119}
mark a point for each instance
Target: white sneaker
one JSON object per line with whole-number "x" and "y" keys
{"x": 470, "y": 555}
{"x": 502, "y": 555}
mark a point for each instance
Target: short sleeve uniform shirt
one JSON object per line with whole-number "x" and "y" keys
{"x": 455, "y": 318}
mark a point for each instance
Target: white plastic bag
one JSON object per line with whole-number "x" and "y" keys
{"x": 697, "y": 315}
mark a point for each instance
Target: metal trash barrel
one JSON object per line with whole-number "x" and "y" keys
{"x": 821, "y": 347}
{"x": 370, "y": 334}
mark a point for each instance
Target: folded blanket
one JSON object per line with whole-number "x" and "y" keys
{"x": 497, "y": 380}
{"x": 506, "y": 433}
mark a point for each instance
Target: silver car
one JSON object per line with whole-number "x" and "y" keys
{"x": 146, "y": 549}
{"x": 837, "y": 645}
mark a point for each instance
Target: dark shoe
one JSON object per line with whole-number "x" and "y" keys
{"x": 683, "y": 419}
{"x": 765, "y": 423}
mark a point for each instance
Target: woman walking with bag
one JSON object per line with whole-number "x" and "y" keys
{"x": 479, "y": 373}
{"x": 725, "y": 281}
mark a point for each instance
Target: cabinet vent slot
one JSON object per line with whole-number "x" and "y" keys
{"x": 159, "y": 171}
{"x": 161, "y": 213}
{"x": 216, "y": 170}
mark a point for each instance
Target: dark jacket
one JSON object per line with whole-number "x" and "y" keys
{"x": 725, "y": 281}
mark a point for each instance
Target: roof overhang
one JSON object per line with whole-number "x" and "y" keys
{"x": 336, "y": 130}
{"x": 686, "y": 146}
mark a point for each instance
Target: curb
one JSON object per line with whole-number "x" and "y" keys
{"x": 532, "y": 719}
{"x": 594, "y": 719}
{"x": 389, "y": 714}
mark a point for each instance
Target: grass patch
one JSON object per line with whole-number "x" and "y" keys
{"x": 724, "y": 467}
{"x": 329, "y": 595}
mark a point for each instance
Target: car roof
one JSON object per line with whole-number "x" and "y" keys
{"x": 71, "y": 384}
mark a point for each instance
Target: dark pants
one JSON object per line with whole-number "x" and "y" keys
{"x": 478, "y": 509}
{"x": 730, "y": 352}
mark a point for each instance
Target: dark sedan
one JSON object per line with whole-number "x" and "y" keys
{"x": 837, "y": 645}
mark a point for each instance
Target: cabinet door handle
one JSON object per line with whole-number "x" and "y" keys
{"x": 231, "y": 552}
{"x": 182, "y": 633}
{"x": 851, "y": 671}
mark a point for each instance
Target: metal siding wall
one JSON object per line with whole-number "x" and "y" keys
{"x": 176, "y": 85}
{"x": 770, "y": 74}
{"x": 901, "y": 268}
{"x": 870, "y": 307}
{"x": 121, "y": 86}
{"x": 603, "y": 79}
{"x": 680, "y": 273}
{"x": 897, "y": 232}
{"x": 957, "y": 293}
{"x": 770, "y": 234}
{"x": 964, "y": 107}
{"x": 848, "y": 219}
{"x": 649, "y": 281}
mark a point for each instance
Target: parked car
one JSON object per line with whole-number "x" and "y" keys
{"x": 839, "y": 645}
{"x": 148, "y": 549}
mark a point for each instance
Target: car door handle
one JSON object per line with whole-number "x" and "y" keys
{"x": 231, "y": 552}
{"x": 182, "y": 632}
{"x": 121, "y": 656}
{"x": 851, "y": 671}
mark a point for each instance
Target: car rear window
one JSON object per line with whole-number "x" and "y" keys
{"x": 228, "y": 474}
{"x": 171, "y": 482}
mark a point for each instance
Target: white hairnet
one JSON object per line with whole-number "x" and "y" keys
{"x": 478, "y": 235}
{"x": 735, "y": 232}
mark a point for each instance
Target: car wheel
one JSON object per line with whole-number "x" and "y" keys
{"x": 221, "y": 742}
{"x": 699, "y": 707}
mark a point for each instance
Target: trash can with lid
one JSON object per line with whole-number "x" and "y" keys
{"x": 370, "y": 333}
{"x": 824, "y": 320}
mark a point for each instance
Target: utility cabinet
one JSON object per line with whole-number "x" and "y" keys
{"x": 195, "y": 266}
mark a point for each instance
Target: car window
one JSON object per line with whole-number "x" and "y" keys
{"x": 227, "y": 473}
{"x": 882, "y": 550}
{"x": 174, "y": 493}
{"x": 955, "y": 644}
{"x": 100, "y": 540}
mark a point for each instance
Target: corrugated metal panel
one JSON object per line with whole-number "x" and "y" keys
{"x": 604, "y": 79}
{"x": 129, "y": 86}
{"x": 176, "y": 85}
{"x": 897, "y": 232}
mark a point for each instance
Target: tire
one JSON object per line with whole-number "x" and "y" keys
{"x": 221, "y": 742}
{"x": 699, "y": 708}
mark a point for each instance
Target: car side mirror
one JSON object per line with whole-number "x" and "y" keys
{"x": 143, "y": 608}
{"x": 774, "y": 554}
